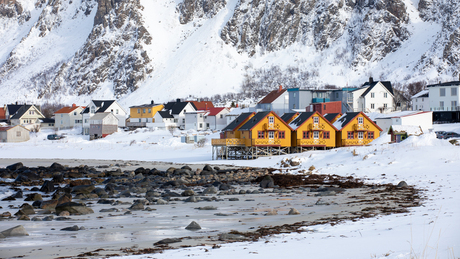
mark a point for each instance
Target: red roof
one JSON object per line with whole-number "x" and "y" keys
{"x": 2, "y": 114}
{"x": 273, "y": 95}
{"x": 214, "y": 111}
{"x": 203, "y": 105}
{"x": 68, "y": 109}
{"x": 6, "y": 128}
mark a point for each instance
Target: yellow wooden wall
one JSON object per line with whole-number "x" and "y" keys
{"x": 368, "y": 126}
{"x": 323, "y": 125}
{"x": 133, "y": 111}
{"x": 278, "y": 125}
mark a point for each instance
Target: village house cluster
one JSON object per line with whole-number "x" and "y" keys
{"x": 285, "y": 120}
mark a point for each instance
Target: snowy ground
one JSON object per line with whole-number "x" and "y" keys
{"x": 429, "y": 231}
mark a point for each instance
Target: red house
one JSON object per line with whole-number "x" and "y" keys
{"x": 323, "y": 108}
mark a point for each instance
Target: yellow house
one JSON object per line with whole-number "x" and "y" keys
{"x": 230, "y": 135}
{"x": 312, "y": 130}
{"x": 266, "y": 129}
{"x": 356, "y": 129}
{"x": 139, "y": 115}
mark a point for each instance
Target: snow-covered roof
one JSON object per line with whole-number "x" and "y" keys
{"x": 237, "y": 111}
{"x": 408, "y": 129}
{"x": 396, "y": 114}
{"x": 421, "y": 93}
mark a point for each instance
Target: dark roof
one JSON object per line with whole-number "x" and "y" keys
{"x": 272, "y": 96}
{"x": 254, "y": 120}
{"x": 303, "y": 116}
{"x": 386, "y": 84}
{"x": 47, "y": 120}
{"x": 102, "y": 105}
{"x": 165, "y": 115}
{"x": 21, "y": 111}
{"x": 13, "y": 108}
{"x": 287, "y": 116}
{"x": 345, "y": 119}
{"x": 144, "y": 105}
{"x": 330, "y": 116}
{"x": 236, "y": 122}
{"x": 176, "y": 107}
{"x": 445, "y": 84}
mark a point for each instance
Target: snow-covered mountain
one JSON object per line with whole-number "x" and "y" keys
{"x": 140, "y": 50}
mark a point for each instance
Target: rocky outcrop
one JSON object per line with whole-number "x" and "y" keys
{"x": 191, "y": 9}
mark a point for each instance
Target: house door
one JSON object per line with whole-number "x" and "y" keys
{"x": 271, "y": 137}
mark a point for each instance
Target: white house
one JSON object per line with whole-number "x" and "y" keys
{"x": 195, "y": 120}
{"x": 276, "y": 101}
{"x": 101, "y": 106}
{"x": 421, "y": 101}
{"x": 444, "y": 96}
{"x": 28, "y": 116}
{"x": 162, "y": 120}
{"x": 422, "y": 119}
{"x": 68, "y": 117}
{"x": 178, "y": 110}
{"x": 372, "y": 97}
{"x": 215, "y": 118}
{"x": 16, "y": 133}
{"x": 102, "y": 124}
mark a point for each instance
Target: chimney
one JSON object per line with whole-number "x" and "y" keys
{"x": 206, "y": 106}
{"x": 178, "y": 100}
{"x": 151, "y": 102}
{"x": 280, "y": 88}
{"x": 371, "y": 80}
{"x": 74, "y": 105}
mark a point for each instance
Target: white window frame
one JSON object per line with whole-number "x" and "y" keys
{"x": 360, "y": 120}
{"x": 315, "y": 119}
{"x": 271, "y": 134}
{"x": 360, "y": 135}
{"x": 271, "y": 119}
{"x": 316, "y": 134}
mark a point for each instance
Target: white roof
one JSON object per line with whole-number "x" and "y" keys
{"x": 409, "y": 129}
{"x": 237, "y": 111}
{"x": 420, "y": 93}
{"x": 396, "y": 114}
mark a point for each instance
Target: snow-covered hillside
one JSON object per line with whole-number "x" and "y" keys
{"x": 72, "y": 51}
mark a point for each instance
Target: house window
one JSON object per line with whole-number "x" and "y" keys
{"x": 271, "y": 119}
{"x": 116, "y": 111}
{"x": 372, "y": 106}
{"x": 271, "y": 134}
{"x": 260, "y": 134}
{"x": 221, "y": 116}
{"x": 370, "y": 135}
{"x": 316, "y": 134}
{"x": 360, "y": 120}
{"x": 86, "y": 120}
{"x": 372, "y": 95}
{"x": 315, "y": 119}
{"x": 453, "y": 91}
{"x": 138, "y": 110}
{"x": 442, "y": 91}
{"x": 360, "y": 135}
{"x": 183, "y": 120}
{"x": 454, "y": 105}
{"x": 140, "y": 120}
{"x": 74, "y": 113}
{"x": 385, "y": 95}
{"x": 336, "y": 95}
{"x": 201, "y": 115}
{"x": 62, "y": 115}
{"x": 305, "y": 134}
{"x": 143, "y": 110}
{"x": 201, "y": 125}
{"x": 350, "y": 135}
{"x": 62, "y": 122}
{"x": 150, "y": 110}
{"x": 176, "y": 120}
{"x": 293, "y": 106}
{"x": 324, "y": 107}
{"x": 281, "y": 134}
{"x": 441, "y": 105}
{"x": 326, "y": 135}
{"x": 93, "y": 109}
{"x": 18, "y": 133}
{"x": 207, "y": 125}
{"x": 385, "y": 105}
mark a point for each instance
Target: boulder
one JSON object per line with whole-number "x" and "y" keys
{"x": 72, "y": 228}
{"x": 209, "y": 190}
{"x": 167, "y": 241}
{"x": 57, "y": 167}
{"x": 27, "y": 209}
{"x": 16, "y": 231}
{"x": 402, "y": 184}
{"x": 191, "y": 199}
{"x": 193, "y": 226}
{"x": 137, "y": 206}
{"x": 232, "y": 237}
{"x": 47, "y": 187}
{"x": 15, "y": 167}
{"x": 83, "y": 189}
{"x": 267, "y": 182}
{"x": 271, "y": 213}
{"x": 49, "y": 205}
{"x": 73, "y": 208}
{"x": 293, "y": 211}
{"x": 188, "y": 192}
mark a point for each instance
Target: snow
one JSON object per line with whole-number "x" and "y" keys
{"x": 430, "y": 164}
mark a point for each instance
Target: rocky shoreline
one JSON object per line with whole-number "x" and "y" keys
{"x": 201, "y": 204}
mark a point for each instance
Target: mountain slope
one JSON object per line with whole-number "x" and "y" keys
{"x": 155, "y": 50}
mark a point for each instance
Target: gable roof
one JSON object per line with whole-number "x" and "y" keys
{"x": 237, "y": 121}
{"x": 330, "y": 116}
{"x": 423, "y": 93}
{"x": 297, "y": 122}
{"x": 101, "y": 115}
{"x": 272, "y": 96}
{"x": 21, "y": 111}
{"x": 68, "y": 109}
{"x": 176, "y": 107}
{"x": 386, "y": 84}
{"x": 101, "y": 105}
{"x": 145, "y": 105}
{"x": 47, "y": 120}
{"x": 165, "y": 115}
{"x": 6, "y": 128}
{"x": 215, "y": 110}
{"x": 346, "y": 118}
{"x": 288, "y": 115}
{"x": 254, "y": 120}
{"x": 203, "y": 105}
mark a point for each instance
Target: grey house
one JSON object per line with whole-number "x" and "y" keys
{"x": 102, "y": 124}
{"x": 16, "y": 133}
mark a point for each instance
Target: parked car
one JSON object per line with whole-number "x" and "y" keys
{"x": 439, "y": 133}
{"x": 54, "y": 137}
{"x": 448, "y": 135}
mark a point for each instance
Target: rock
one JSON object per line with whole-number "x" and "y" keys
{"x": 293, "y": 211}
{"x": 271, "y": 213}
{"x": 161, "y": 202}
{"x": 5, "y": 214}
{"x": 18, "y": 195}
{"x": 232, "y": 237}
{"x": 191, "y": 199}
{"x": 48, "y": 218}
{"x": 207, "y": 208}
{"x": 109, "y": 210}
{"x": 64, "y": 199}
{"x": 34, "y": 197}
{"x": 27, "y": 209}
{"x": 73, "y": 208}
{"x": 23, "y": 217}
{"x": 58, "y": 178}
{"x": 209, "y": 190}
{"x": 193, "y": 226}
{"x": 15, "y": 167}
{"x": 83, "y": 189}
{"x": 167, "y": 241}
{"x": 16, "y": 231}
{"x": 402, "y": 184}
{"x": 47, "y": 187}
{"x": 233, "y": 199}
{"x": 63, "y": 214}
{"x": 57, "y": 167}
{"x": 207, "y": 168}
{"x": 267, "y": 182}
{"x": 36, "y": 219}
{"x": 137, "y": 206}
{"x": 49, "y": 205}
{"x": 72, "y": 228}
{"x": 188, "y": 192}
